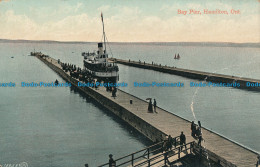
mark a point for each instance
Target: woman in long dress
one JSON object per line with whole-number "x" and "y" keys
{"x": 150, "y": 106}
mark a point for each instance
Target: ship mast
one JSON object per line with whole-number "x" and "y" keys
{"x": 104, "y": 32}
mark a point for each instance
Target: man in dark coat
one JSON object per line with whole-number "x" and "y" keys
{"x": 200, "y": 139}
{"x": 258, "y": 161}
{"x": 154, "y": 105}
{"x": 112, "y": 162}
{"x": 193, "y": 129}
{"x": 170, "y": 142}
{"x": 183, "y": 140}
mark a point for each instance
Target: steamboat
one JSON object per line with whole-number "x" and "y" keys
{"x": 97, "y": 63}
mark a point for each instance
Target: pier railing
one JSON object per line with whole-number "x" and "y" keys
{"x": 144, "y": 154}
{"x": 163, "y": 158}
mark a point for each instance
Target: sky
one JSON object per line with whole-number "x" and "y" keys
{"x": 130, "y": 20}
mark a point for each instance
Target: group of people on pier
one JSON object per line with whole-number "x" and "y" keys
{"x": 196, "y": 131}
{"x": 170, "y": 142}
{"x": 152, "y": 106}
{"x": 111, "y": 89}
{"x": 77, "y": 72}
{"x": 85, "y": 76}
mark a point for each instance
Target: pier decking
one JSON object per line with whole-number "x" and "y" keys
{"x": 150, "y": 124}
{"x": 213, "y": 77}
{"x": 173, "y": 125}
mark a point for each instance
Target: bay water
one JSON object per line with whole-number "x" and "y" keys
{"x": 61, "y": 127}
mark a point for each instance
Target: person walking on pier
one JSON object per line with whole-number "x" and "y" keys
{"x": 199, "y": 124}
{"x": 164, "y": 144}
{"x": 154, "y": 105}
{"x": 150, "y": 106}
{"x": 193, "y": 129}
{"x": 200, "y": 139}
{"x": 114, "y": 90}
{"x": 170, "y": 142}
{"x": 198, "y": 131}
{"x": 199, "y": 134}
{"x": 183, "y": 140}
{"x": 258, "y": 161}
{"x": 167, "y": 144}
{"x": 112, "y": 162}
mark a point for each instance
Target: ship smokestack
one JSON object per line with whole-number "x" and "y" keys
{"x": 100, "y": 48}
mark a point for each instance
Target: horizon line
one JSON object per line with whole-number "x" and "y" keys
{"x": 56, "y": 41}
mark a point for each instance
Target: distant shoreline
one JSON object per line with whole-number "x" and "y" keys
{"x": 212, "y": 44}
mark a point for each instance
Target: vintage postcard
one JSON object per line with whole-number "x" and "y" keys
{"x": 96, "y": 83}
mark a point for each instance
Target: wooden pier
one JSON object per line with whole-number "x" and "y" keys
{"x": 156, "y": 126}
{"x": 212, "y": 77}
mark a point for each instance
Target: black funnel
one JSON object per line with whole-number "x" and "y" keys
{"x": 100, "y": 44}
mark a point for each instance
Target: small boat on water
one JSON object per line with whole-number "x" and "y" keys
{"x": 177, "y": 57}
{"x": 97, "y": 63}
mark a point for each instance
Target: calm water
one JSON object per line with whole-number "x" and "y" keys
{"x": 59, "y": 127}
{"x": 54, "y": 126}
